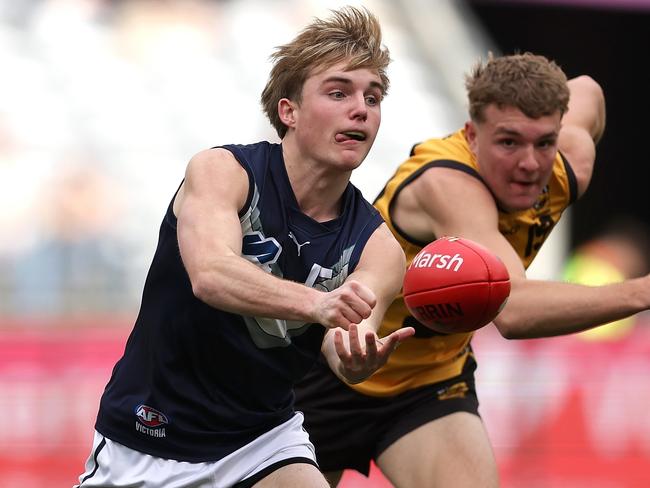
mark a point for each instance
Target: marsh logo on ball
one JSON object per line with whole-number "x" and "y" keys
{"x": 426, "y": 259}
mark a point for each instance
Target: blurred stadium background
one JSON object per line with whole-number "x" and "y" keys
{"x": 103, "y": 102}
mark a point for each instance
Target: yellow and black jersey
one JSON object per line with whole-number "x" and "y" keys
{"x": 430, "y": 357}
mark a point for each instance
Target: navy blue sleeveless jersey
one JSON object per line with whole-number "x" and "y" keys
{"x": 196, "y": 383}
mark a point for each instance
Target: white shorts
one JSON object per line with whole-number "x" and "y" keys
{"x": 112, "y": 464}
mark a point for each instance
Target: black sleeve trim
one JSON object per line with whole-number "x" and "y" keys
{"x": 249, "y": 171}
{"x": 412, "y": 152}
{"x": 440, "y": 163}
{"x": 169, "y": 214}
{"x": 573, "y": 181}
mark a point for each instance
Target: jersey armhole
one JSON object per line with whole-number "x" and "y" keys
{"x": 251, "y": 178}
{"x": 571, "y": 177}
{"x": 440, "y": 163}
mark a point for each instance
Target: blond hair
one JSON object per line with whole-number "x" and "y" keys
{"x": 350, "y": 34}
{"x": 529, "y": 82}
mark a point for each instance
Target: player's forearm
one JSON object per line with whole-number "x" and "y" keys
{"x": 235, "y": 285}
{"x": 545, "y": 308}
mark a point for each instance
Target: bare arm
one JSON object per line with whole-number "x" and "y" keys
{"x": 535, "y": 308}
{"x": 210, "y": 240}
{"x": 582, "y": 127}
{"x": 356, "y": 354}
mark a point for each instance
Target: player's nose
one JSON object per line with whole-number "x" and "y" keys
{"x": 359, "y": 109}
{"x": 528, "y": 161}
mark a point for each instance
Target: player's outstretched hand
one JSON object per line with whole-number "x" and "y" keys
{"x": 359, "y": 361}
{"x": 348, "y": 304}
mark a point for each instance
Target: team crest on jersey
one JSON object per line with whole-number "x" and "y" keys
{"x": 327, "y": 279}
{"x": 259, "y": 249}
{"x": 150, "y": 421}
{"x": 268, "y": 332}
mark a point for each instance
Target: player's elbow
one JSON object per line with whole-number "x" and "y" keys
{"x": 591, "y": 91}
{"x": 202, "y": 286}
{"x": 507, "y": 333}
{"x": 587, "y": 86}
{"x": 510, "y": 325}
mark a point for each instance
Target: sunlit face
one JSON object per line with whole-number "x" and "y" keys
{"x": 515, "y": 154}
{"x": 338, "y": 117}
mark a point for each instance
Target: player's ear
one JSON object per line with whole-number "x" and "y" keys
{"x": 287, "y": 112}
{"x": 470, "y": 134}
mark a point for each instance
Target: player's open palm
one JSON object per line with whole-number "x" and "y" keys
{"x": 359, "y": 359}
{"x": 348, "y": 304}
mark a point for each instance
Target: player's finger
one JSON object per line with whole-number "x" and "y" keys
{"x": 404, "y": 333}
{"x": 339, "y": 346}
{"x": 372, "y": 341}
{"x": 351, "y": 316}
{"x": 338, "y": 319}
{"x": 391, "y": 341}
{"x": 354, "y": 308}
{"x": 355, "y": 345}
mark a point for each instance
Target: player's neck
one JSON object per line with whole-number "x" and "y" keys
{"x": 318, "y": 189}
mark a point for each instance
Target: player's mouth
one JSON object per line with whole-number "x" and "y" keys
{"x": 351, "y": 135}
{"x": 524, "y": 185}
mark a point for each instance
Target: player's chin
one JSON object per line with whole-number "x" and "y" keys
{"x": 352, "y": 158}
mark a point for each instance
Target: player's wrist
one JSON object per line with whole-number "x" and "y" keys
{"x": 354, "y": 377}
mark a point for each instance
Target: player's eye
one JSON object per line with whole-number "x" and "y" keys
{"x": 546, "y": 144}
{"x": 372, "y": 100}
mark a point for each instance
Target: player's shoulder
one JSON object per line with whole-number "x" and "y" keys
{"x": 449, "y": 198}
{"x": 232, "y": 152}
{"x": 453, "y": 144}
{"x": 450, "y": 157}
{"x": 213, "y": 172}
{"x": 454, "y": 179}
{"x": 206, "y": 158}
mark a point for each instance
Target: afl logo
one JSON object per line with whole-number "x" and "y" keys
{"x": 150, "y": 416}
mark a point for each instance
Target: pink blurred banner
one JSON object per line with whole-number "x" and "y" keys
{"x": 51, "y": 379}
{"x": 560, "y": 412}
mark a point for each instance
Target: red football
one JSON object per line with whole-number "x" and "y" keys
{"x": 455, "y": 285}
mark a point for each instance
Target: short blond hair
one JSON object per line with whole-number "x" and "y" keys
{"x": 532, "y": 83}
{"x": 351, "y": 34}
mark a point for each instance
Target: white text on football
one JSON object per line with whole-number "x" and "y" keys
{"x": 440, "y": 261}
